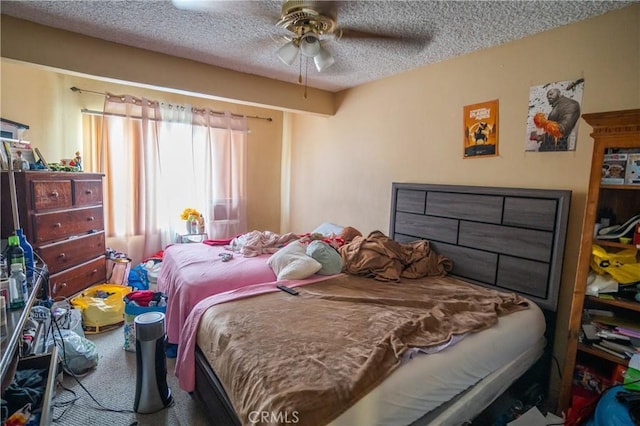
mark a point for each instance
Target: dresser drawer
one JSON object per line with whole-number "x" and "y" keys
{"x": 59, "y": 225}
{"x": 49, "y": 363}
{"x": 76, "y": 279}
{"x": 67, "y": 253}
{"x": 51, "y": 194}
{"x": 87, "y": 192}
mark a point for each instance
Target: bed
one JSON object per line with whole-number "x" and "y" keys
{"x": 193, "y": 272}
{"x": 495, "y": 237}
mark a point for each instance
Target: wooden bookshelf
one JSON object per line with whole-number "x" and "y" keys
{"x": 613, "y": 132}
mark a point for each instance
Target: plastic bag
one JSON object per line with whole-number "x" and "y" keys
{"x": 621, "y": 265}
{"x": 102, "y": 307}
{"x": 138, "y": 277}
{"x": 118, "y": 270}
{"x": 610, "y": 411}
{"x": 80, "y": 354}
{"x": 66, "y": 317}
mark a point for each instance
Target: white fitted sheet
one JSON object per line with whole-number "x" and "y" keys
{"x": 491, "y": 360}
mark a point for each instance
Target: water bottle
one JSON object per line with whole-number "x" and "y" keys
{"x": 17, "y": 287}
{"x": 28, "y": 255}
{"x": 15, "y": 253}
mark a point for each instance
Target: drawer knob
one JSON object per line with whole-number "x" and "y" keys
{"x": 55, "y": 194}
{"x": 95, "y": 271}
{"x": 58, "y": 287}
{"x": 57, "y": 225}
{"x": 88, "y": 192}
{"x": 90, "y": 218}
{"x": 62, "y": 256}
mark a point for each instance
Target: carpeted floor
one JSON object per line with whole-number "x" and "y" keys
{"x": 113, "y": 384}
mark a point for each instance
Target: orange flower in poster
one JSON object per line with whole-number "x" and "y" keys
{"x": 481, "y": 129}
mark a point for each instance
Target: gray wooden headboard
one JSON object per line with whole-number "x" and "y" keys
{"x": 510, "y": 239}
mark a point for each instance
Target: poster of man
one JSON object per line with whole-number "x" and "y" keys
{"x": 554, "y": 110}
{"x": 480, "y": 129}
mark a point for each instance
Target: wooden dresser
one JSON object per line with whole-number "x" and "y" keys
{"x": 62, "y": 216}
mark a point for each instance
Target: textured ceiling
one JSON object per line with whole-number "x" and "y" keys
{"x": 242, "y": 35}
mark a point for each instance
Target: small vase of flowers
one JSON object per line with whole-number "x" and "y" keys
{"x": 190, "y": 216}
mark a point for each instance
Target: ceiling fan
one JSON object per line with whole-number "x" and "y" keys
{"x": 310, "y": 24}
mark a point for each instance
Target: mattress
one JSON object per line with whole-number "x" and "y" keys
{"x": 490, "y": 359}
{"x": 476, "y": 370}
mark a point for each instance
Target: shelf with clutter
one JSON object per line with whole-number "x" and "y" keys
{"x": 604, "y": 325}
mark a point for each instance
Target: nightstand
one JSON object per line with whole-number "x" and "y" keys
{"x": 190, "y": 238}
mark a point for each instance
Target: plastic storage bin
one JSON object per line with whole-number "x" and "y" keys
{"x": 130, "y": 313}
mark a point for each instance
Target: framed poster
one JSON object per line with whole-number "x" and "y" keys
{"x": 554, "y": 110}
{"x": 480, "y": 123}
{"x": 11, "y": 129}
{"x": 17, "y": 152}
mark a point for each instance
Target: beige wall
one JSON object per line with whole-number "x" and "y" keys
{"x": 33, "y": 43}
{"x": 42, "y": 99}
{"x": 409, "y": 128}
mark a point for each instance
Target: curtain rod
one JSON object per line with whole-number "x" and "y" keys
{"x": 113, "y": 114}
{"x": 78, "y": 90}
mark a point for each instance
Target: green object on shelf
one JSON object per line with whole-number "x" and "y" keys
{"x": 606, "y": 296}
{"x": 632, "y": 379}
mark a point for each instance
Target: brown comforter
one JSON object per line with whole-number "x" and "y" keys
{"x": 378, "y": 256}
{"x": 310, "y": 357}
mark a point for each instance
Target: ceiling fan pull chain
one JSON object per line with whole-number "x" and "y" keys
{"x": 306, "y": 72}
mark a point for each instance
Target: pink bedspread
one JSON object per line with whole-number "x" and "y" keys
{"x": 193, "y": 272}
{"x": 185, "y": 362}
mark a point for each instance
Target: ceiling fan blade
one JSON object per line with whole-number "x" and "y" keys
{"x": 204, "y": 5}
{"x": 235, "y": 7}
{"x": 348, "y": 33}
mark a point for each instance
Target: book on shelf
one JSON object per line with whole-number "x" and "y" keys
{"x": 606, "y": 334}
{"x": 628, "y": 332}
{"x": 630, "y": 327}
{"x": 624, "y": 337}
{"x": 609, "y": 351}
{"x": 626, "y": 350}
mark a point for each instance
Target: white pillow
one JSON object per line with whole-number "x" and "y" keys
{"x": 327, "y": 228}
{"x": 292, "y": 263}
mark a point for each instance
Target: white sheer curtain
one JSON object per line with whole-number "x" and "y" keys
{"x": 160, "y": 159}
{"x": 208, "y": 173}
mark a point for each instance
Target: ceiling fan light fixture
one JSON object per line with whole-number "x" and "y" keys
{"x": 323, "y": 59}
{"x": 288, "y": 53}
{"x": 310, "y": 45}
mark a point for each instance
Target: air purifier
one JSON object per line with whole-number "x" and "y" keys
{"x": 152, "y": 392}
